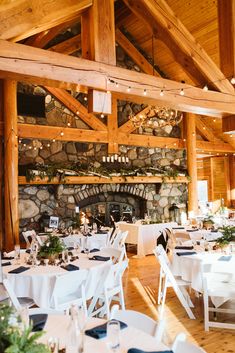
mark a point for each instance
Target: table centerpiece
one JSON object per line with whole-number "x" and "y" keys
{"x": 228, "y": 236}
{"x": 51, "y": 249}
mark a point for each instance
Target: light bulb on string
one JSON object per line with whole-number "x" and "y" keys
{"x": 102, "y": 115}
{"x": 85, "y": 98}
{"x": 117, "y": 84}
{"x": 129, "y": 89}
{"x": 162, "y": 93}
{"x": 24, "y": 145}
{"x": 48, "y": 145}
{"x": 232, "y": 80}
{"x": 53, "y": 140}
{"x": 68, "y": 124}
{"x": 61, "y": 134}
{"x": 145, "y": 92}
{"x": 182, "y": 92}
{"x": 30, "y": 147}
{"x": 205, "y": 88}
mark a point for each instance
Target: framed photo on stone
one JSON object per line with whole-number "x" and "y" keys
{"x": 54, "y": 222}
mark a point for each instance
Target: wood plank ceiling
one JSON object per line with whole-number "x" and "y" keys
{"x": 194, "y": 61}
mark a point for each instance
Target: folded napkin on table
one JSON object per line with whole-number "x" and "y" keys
{"x": 92, "y": 250}
{"x": 183, "y": 247}
{"x": 183, "y": 253}
{"x": 224, "y": 258}
{"x": 136, "y": 350}
{"x": 8, "y": 263}
{"x": 70, "y": 267}
{"x": 64, "y": 236}
{"x": 8, "y": 258}
{"x": 178, "y": 228}
{"x": 70, "y": 248}
{"x": 214, "y": 230}
{"x": 99, "y": 258}
{"x": 28, "y": 251}
{"x": 101, "y": 330}
{"x": 19, "y": 269}
{"x": 192, "y": 230}
{"x": 38, "y": 321}
{"x": 102, "y": 232}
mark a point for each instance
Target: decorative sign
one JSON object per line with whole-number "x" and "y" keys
{"x": 99, "y": 102}
{"x": 54, "y": 222}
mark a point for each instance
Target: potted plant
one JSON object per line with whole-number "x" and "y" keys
{"x": 51, "y": 249}
{"x": 14, "y": 339}
{"x": 228, "y": 236}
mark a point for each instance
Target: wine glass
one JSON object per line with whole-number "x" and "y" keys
{"x": 113, "y": 335}
{"x": 17, "y": 254}
{"x": 86, "y": 246}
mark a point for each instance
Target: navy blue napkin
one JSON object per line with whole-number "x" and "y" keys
{"x": 136, "y": 350}
{"x": 99, "y": 258}
{"x": 8, "y": 258}
{"x": 38, "y": 321}
{"x": 70, "y": 248}
{"x": 214, "y": 230}
{"x": 92, "y": 250}
{"x": 70, "y": 267}
{"x": 19, "y": 269}
{"x": 178, "y": 228}
{"x": 101, "y": 330}
{"x": 184, "y": 253}
{"x": 8, "y": 263}
{"x": 184, "y": 247}
{"x": 102, "y": 232}
{"x": 192, "y": 230}
{"x": 224, "y": 258}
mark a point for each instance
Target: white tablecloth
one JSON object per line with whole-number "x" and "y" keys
{"x": 56, "y": 326}
{"x": 189, "y": 267}
{"x": 96, "y": 241}
{"x": 200, "y": 234}
{"x": 144, "y": 235}
{"x": 38, "y": 282}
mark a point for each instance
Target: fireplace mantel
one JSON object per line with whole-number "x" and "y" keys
{"x": 102, "y": 180}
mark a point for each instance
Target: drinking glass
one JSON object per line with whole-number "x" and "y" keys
{"x": 53, "y": 344}
{"x": 113, "y": 335}
{"x": 17, "y": 255}
{"x": 86, "y": 246}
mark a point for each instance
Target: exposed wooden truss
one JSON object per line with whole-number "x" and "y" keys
{"x": 68, "y": 46}
{"x": 204, "y": 130}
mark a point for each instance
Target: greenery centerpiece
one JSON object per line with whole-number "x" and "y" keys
{"x": 15, "y": 338}
{"x": 51, "y": 248}
{"x": 208, "y": 222}
{"x": 228, "y": 236}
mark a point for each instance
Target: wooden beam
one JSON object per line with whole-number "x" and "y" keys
{"x": 204, "y": 130}
{"x": 54, "y": 132}
{"x": 68, "y": 46}
{"x": 101, "y": 180}
{"x": 47, "y": 68}
{"x": 214, "y": 147}
{"x": 192, "y": 164}
{"x": 134, "y": 54}
{"x": 86, "y": 35}
{"x": 113, "y": 129}
{"x": 129, "y": 127}
{"x": 232, "y": 180}
{"x": 11, "y": 166}
{"x": 226, "y": 22}
{"x": 76, "y": 107}
{"x": 228, "y": 124}
{"x": 149, "y": 141}
{"x": 160, "y": 19}
{"x": 22, "y": 18}
{"x": 102, "y": 31}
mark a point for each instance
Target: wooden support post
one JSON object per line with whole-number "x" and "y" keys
{"x": 191, "y": 162}
{"x": 1, "y": 169}
{"x": 232, "y": 180}
{"x": 113, "y": 129}
{"x": 11, "y": 165}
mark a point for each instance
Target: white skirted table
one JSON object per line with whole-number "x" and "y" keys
{"x": 144, "y": 235}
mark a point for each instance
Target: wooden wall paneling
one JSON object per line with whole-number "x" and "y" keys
{"x": 219, "y": 180}
{"x": 11, "y": 165}
{"x": 232, "y": 179}
{"x": 227, "y": 181}
{"x": 204, "y": 173}
{"x": 192, "y": 163}
{"x": 41, "y": 67}
{"x": 228, "y": 124}
{"x": 1, "y": 171}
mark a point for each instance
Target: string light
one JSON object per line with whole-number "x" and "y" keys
{"x": 145, "y": 92}
{"x": 214, "y": 120}
{"x": 77, "y": 112}
{"x": 117, "y": 84}
{"x": 129, "y": 89}
{"x": 205, "y": 88}
{"x": 53, "y": 140}
{"x": 69, "y": 124}
{"x": 48, "y": 145}
{"x": 85, "y": 98}
{"x": 162, "y": 93}
{"x": 182, "y": 92}
{"x": 102, "y": 115}
{"x": 62, "y": 133}
{"x": 232, "y": 81}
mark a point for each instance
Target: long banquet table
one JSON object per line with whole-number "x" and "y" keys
{"x": 38, "y": 282}
{"x": 144, "y": 235}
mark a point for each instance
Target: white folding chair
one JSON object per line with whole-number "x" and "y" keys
{"x": 181, "y": 237}
{"x": 69, "y": 289}
{"x": 117, "y": 255}
{"x": 168, "y": 280}
{"x": 217, "y": 285}
{"x": 181, "y": 346}
{"x": 140, "y": 321}
{"x": 29, "y": 235}
{"x": 17, "y": 302}
{"x": 112, "y": 290}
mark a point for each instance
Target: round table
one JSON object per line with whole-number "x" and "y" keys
{"x": 130, "y": 337}
{"x": 38, "y": 282}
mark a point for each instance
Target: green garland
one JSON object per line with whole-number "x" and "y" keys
{"x": 228, "y": 235}
{"x": 53, "y": 245}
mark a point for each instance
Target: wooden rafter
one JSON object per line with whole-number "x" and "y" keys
{"x": 68, "y": 46}
{"x": 159, "y": 17}
{"x": 52, "y": 69}
{"x": 76, "y": 107}
{"x": 134, "y": 54}
{"x": 204, "y": 130}
{"x": 215, "y": 147}
{"x": 22, "y": 18}
{"x": 226, "y": 22}
{"x": 129, "y": 127}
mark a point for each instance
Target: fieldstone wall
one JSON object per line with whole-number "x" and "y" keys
{"x": 61, "y": 200}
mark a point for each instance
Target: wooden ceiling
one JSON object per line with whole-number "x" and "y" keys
{"x": 183, "y": 39}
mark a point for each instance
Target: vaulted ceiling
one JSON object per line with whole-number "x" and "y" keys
{"x": 190, "y": 41}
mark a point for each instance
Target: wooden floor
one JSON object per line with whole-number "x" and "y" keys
{"x": 141, "y": 285}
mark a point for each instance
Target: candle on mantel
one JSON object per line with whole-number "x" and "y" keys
{"x": 112, "y": 159}
{"x": 103, "y": 159}
{"x": 119, "y": 159}
{"x": 116, "y": 157}
{"x": 123, "y": 159}
{"x": 108, "y": 158}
